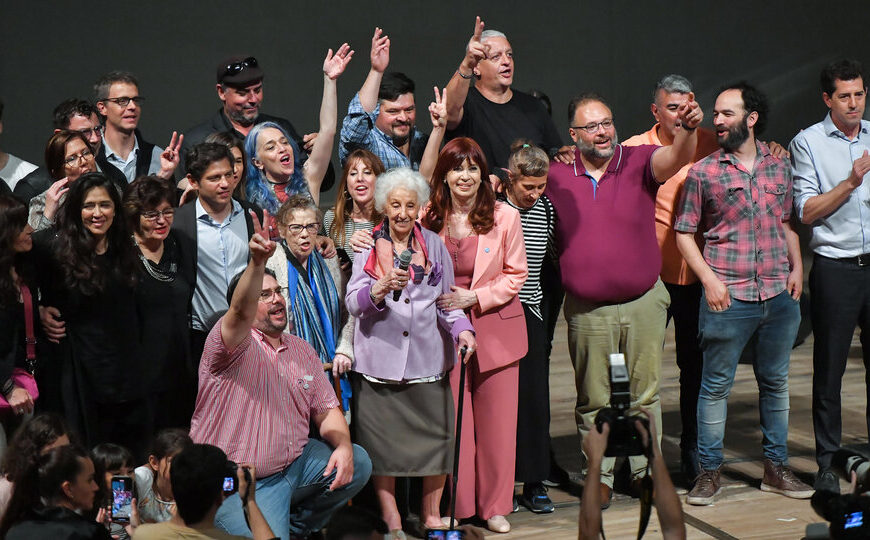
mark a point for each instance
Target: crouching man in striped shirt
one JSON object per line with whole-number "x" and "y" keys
{"x": 258, "y": 389}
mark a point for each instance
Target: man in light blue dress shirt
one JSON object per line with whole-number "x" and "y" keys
{"x": 830, "y": 161}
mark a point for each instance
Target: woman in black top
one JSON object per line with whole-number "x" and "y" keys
{"x": 88, "y": 271}
{"x": 16, "y": 283}
{"x": 163, "y": 296}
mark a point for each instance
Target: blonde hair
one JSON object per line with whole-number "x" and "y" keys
{"x": 526, "y": 159}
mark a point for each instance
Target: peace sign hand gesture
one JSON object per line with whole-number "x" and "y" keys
{"x": 438, "y": 109}
{"x": 260, "y": 246}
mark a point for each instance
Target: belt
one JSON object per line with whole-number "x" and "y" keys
{"x": 860, "y": 260}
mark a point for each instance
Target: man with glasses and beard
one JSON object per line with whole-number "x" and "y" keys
{"x": 610, "y": 259}
{"x": 740, "y": 197}
{"x": 240, "y": 89}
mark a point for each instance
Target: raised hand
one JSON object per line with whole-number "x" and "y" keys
{"x": 260, "y": 246}
{"x": 334, "y": 65}
{"x": 53, "y": 196}
{"x": 438, "y": 109}
{"x": 690, "y": 113}
{"x": 476, "y": 51}
{"x": 171, "y": 156}
{"x": 380, "y": 54}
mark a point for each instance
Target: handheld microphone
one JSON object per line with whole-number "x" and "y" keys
{"x": 404, "y": 263}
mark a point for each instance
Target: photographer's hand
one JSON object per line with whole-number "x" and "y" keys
{"x": 666, "y": 501}
{"x": 259, "y": 527}
{"x": 594, "y": 444}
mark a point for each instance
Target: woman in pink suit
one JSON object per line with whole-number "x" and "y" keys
{"x": 485, "y": 240}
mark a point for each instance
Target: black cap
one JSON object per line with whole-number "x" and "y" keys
{"x": 238, "y": 71}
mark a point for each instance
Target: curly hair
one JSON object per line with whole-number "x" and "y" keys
{"x": 343, "y": 201}
{"x": 25, "y": 447}
{"x": 13, "y": 220}
{"x": 143, "y": 194}
{"x": 76, "y": 247}
{"x": 454, "y": 153}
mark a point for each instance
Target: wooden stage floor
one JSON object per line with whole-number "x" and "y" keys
{"x": 741, "y": 510}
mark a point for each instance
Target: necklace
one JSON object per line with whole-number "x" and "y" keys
{"x": 454, "y": 242}
{"x": 156, "y": 273}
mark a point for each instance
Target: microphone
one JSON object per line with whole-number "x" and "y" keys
{"x": 404, "y": 262}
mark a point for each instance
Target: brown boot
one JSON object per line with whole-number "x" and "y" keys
{"x": 780, "y": 479}
{"x": 707, "y": 485}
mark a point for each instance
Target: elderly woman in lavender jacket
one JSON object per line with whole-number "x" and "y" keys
{"x": 404, "y": 345}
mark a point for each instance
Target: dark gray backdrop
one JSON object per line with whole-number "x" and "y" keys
{"x": 55, "y": 50}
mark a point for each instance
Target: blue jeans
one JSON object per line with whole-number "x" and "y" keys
{"x": 773, "y": 324}
{"x": 297, "y": 500}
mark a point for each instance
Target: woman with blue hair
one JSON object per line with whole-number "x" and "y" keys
{"x": 274, "y": 169}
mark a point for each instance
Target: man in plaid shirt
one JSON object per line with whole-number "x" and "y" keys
{"x": 741, "y": 198}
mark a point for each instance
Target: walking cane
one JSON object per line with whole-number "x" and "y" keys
{"x": 462, "y": 352}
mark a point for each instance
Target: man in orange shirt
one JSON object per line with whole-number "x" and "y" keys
{"x": 682, "y": 284}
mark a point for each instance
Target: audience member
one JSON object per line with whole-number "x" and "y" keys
{"x": 12, "y": 168}
{"x": 403, "y": 385}
{"x": 124, "y": 154}
{"x": 163, "y": 294}
{"x": 752, "y": 274}
{"x": 198, "y": 475}
{"x": 259, "y": 390}
{"x": 213, "y": 232}
{"x": 153, "y": 480}
{"x": 381, "y": 116}
{"x": 240, "y": 89}
{"x": 484, "y": 239}
{"x": 528, "y": 166}
{"x": 313, "y": 290}
{"x": 71, "y": 115}
{"x": 350, "y": 222}
{"x": 236, "y": 145}
{"x": 51, "y": 497}
{"x": 67, "y": 157}
{"x": 87, "y": 271}
{"x": 830, "y": 161}
{"x": 111, "y": 460}
{"x": 19, "y": 316}
{"x": 666, "y": 501}
{"x": 610, "y": 260}
{"x": 275, "y": 165}
{"x": 682, "y": 284}
{"x": 36, "y": 436}
{"x": 483, "y": 106}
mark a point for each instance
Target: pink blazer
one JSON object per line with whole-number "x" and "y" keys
{"x": 500, "y": 269}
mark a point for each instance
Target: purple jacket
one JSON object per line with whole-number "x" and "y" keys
{"x": 411, "y": 338}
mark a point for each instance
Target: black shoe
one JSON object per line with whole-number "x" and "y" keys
{"x": 826, "y": 480}
{"x": 535, "y": 498}
{"x": 516, "y": 506}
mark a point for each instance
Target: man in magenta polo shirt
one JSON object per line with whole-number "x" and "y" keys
{"x": 610, "y": 259}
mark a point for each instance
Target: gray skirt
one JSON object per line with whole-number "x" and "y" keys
{"x": 407, "y": 429}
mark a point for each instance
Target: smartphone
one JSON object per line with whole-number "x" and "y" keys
{"x": 122, "y": 499}
{"x": 440, "y": 534}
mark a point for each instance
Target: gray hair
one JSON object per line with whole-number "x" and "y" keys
{"x": 486, "y": 34}
{"x": 400, "y": 177}
{"x": 671, "y": 84}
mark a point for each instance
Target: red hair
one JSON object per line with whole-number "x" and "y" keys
{"x": 454, "y": 153}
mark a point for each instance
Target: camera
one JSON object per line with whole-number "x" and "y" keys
{"x": 849, "y": 514}
{"x": 624, "y": 438}
{"x": 440, "y": 534}
{"x": 231, "y": 481}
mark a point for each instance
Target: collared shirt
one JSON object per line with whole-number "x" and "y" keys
{"x": 222, "y": 252}
{"x": 821, "y": 158}
{"x": 605, "y": 232}
{"x": 255, "y": 402}
{"x": 128, "y": 166}
{"x": 674, "y": 268}
{"x": 358, "y": 130}
{"x": 742, "y": 215}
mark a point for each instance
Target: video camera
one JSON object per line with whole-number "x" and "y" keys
{"x": 848, "y": 514}
{"x": 624, "y": 438}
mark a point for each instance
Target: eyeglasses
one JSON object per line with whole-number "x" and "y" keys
{"x": 84, "y": 155}
{"x": 593, "y": 127}
{"x": 154, "y": 215}
{"x": 296, "y": 229}
{"x": 87, "y": 132}
{"x": 236, "y": 67}
{"x": 124, "y": 101}
{"x": 267, "y": 294}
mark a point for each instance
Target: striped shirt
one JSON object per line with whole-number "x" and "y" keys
{"x": 255, "y": 402}
{"x": 539, "y": 231}
{"x": 350, "y": 227}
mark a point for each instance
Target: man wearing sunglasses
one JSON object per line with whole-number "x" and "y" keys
{"x": 240, "y": 89}
{"x": 124, "y": 154}
{"x": 74, "y": 115}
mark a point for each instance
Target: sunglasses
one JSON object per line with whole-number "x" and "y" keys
{"x": 236, "y": 67}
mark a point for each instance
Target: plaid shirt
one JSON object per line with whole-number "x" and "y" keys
{"x": 358, "y": 130}
{"x": 741, "y": 215}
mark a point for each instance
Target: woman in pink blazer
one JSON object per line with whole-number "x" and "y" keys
{"x": 485, "y": 240}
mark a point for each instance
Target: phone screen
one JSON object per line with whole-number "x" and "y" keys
{"x": 229, "y": 484}
{"x": 122, "y": 498}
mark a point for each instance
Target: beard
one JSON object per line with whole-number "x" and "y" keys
{"x": 244, "y": 119}
{"x": 736, "y": 136}
{"x": 590, "y": 151}
{"x": 270, "y": 328}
